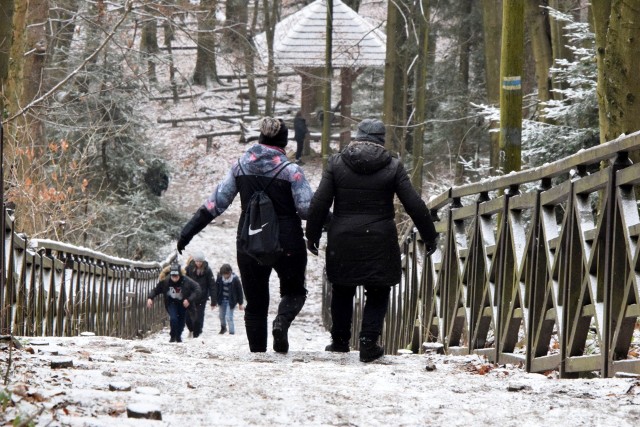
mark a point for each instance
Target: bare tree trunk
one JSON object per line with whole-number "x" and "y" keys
{"x": 26, "y": 133}
{"x": 6, "y": 29}
{"x": 511, "y": 90}
{"x": 621, "y": 89}
{"x": 205, "y": 72}
{"x": 601, "y": 11}
{"x": 420, "y": 115}
{"x": 149, "y": 43}
{"x": 492, "y": 28}
{"x": 270, "y": 13}
{"x": 249, "y": 59}
{"x": 235, "y": 18}
{"x": 347, "y": 77}
{"x": 538, "y": 21}
{"x": 464, "y": 40}
{"x": 328, "y": 66}
{"x": 168, "y": 38}
{"x": 394, "y": 89}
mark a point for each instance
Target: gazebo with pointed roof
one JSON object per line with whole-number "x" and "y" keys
{"x": 300, "y": 43}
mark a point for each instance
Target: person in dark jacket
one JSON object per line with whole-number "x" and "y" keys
{"x": 362, "y": 240}
{"x": 291, "y": 194}
{"x": 179, "y": 293}
{"x": 229, "y": 294}
{"x": 300, "y": 132}
{"x": 198, "y": 269}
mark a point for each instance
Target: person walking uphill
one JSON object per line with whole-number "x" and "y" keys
{"x": 291, "y": 195}
{"x": 179, "y": 293}
{"x": 198, "y": 269}
{"x": 362, "y": 239}
{"x": 229, "y": 294}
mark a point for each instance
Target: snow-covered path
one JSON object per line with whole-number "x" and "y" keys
{"x": 215, "y": 380}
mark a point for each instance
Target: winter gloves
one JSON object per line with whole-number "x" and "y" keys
{"x": 196, "y": 224}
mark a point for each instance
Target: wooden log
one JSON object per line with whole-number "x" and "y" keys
{"x": 211, "y": 135}
{"x": 174, "y": 121}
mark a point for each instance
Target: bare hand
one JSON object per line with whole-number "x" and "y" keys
{"x": 149, "y": 303}
{"x": 241, "y": 307}
{"x": 185, "y": 303}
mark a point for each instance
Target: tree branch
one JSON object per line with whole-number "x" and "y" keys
{"x": 127, "y": 8}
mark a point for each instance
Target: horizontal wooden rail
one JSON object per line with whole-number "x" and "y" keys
{"x": 539, "y": 267}
{"x": 51, "y": 288}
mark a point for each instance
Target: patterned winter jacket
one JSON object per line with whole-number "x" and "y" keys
{"x": 290, "y": 192}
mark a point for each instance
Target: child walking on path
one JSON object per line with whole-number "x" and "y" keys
{"x": 229, "y": 294}
{"x": 198, "y": 269}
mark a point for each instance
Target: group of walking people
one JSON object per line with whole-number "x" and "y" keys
{"x": 354, "y": 202}
{"x": 187, "y": 290}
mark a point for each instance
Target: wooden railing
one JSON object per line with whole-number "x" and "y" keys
{"x": 539, "y": 267}
{"x": 54, "y": 289}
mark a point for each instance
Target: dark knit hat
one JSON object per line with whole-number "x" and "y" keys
{"x": 372, "y": 130}
{"x": 175, "y": 269}
{"x": 273, "y": 132}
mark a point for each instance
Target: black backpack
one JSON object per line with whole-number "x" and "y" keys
{"x": 260, "y": 233}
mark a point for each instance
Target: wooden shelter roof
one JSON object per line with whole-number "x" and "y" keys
{"x": 300, "y": 39}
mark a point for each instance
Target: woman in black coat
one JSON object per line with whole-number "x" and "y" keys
{"x": 362, "y": 241}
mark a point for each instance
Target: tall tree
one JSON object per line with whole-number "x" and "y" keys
{"x": 618, "y": 58}
{"x": 328, "y": 66}
{"x": 6, "y": 29}
{"x": 270, "y": 20}
{"x": 511, "y": 67}
{"x": 420, "y": 114}
{"x": 235, "y": 18}
{"x": 492, "y": 30}
{"x": 205, "y": 72}
{"x": 249, "y": 59}
{"x": 394, "y": 75}
{"x": 537, "y": 19}
{"x": 464, "y": 43}
{"x": 149, "y": 42}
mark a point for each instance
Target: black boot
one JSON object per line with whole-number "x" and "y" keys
{"x": 369, "y": 349}
{"x": 223, "y": 330}
{"x": 338, "y": 345}
{"x": 280, "y": 335}
{"x": 256, "y": 327}
{"x": 290, "y": 306}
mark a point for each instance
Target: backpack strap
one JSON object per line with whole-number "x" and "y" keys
{"x": 284, "y": 165}
{"x": 276, "y": 175}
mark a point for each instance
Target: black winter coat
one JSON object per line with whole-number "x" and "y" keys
{"x": 205, "y": 280}
{"x": 300, "y": 128}
{"x": 187, "y": 288}
{"x": 235, "y": 293}
{"x": 362, "y": 246}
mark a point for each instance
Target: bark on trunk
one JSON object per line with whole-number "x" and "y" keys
{"x": 492, "y": 28}
{"x": 511, "y": 85}
{"x": 537, "y": 22}
{"x": 205, "y": 72}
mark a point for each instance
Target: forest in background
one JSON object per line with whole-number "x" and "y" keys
{"x": 78, "y": 166}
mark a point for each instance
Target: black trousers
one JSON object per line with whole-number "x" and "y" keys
{"x": 195, "y": 318}
{"x": 375, "y": 309}
{"x": 299, "y": 147}
{"x": 255, "y": 283}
